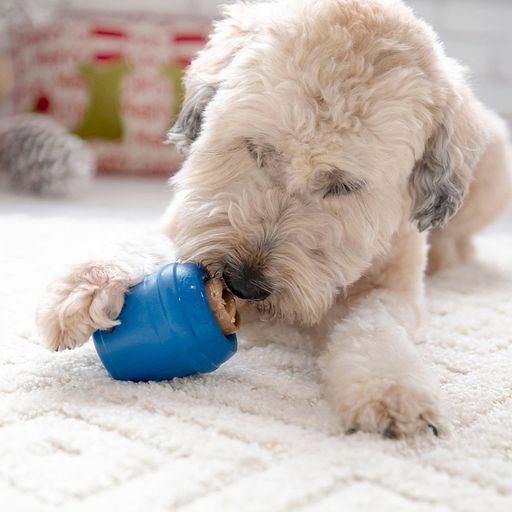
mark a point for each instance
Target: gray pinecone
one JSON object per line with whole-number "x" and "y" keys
{"x": 41, "y": 156}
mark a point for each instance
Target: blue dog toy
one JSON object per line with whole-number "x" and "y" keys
{"x": 167, "y": 329}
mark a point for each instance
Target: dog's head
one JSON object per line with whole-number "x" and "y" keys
{"x": 311, "y": 138}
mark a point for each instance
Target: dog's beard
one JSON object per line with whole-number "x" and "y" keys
{"x": 304, "y": 253}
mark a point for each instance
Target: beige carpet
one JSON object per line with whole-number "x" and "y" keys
{"x": 254, "y": 436}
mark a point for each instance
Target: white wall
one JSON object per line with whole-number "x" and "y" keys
{"x": 479, "y": 34}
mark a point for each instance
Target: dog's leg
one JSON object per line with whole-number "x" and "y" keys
{"x": 489, "y": 197}
{"x": 372, "y": 373}
{"x": 91, "y": 295}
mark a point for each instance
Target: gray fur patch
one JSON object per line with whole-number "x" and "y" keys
{"x": 437, "y": 190}
{"x": 187, "y": 127}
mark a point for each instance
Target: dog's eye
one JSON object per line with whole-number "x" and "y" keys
{"x": 342, "y": 188}
{"x": 336, "y": 182}
{"x": 260, "y": 153}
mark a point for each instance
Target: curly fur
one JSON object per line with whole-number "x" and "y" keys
{"x": 321, "y": 137}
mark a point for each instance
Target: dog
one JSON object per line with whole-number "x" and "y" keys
{"x": 327, "y": 144}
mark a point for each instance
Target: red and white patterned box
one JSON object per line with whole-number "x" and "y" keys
{"x": 113, "y": 80}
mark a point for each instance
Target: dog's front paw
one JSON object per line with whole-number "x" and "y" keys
{"x": 87, "y": 299}
{"x": 392, "y": 409}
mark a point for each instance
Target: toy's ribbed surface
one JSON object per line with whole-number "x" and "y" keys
{"x": 167, "y": 329}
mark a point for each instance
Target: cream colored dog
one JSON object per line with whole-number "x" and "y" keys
{"x": 324, "y": 138}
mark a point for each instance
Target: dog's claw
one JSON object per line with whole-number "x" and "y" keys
{"x": 434, "y": 429}
{"x": 431, "y": 426}
{"x": 351, "y": 431}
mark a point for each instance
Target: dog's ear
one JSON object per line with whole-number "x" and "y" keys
{"x": 187, "y": 127}
{"x": 440, "y": 179}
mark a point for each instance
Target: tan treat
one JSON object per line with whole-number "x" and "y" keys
{"x": 223, "y": 306}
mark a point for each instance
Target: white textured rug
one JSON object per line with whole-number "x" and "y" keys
{"x": 256, "y": 435}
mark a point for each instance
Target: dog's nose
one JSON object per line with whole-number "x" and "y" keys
{"x": 245, "y": 282}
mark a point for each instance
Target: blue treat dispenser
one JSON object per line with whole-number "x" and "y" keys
{"x": 167, "y": 329}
